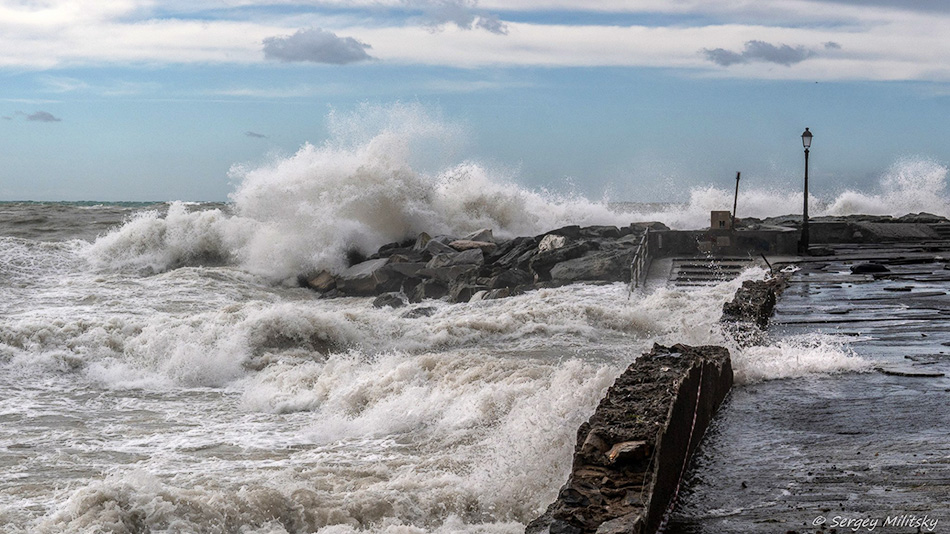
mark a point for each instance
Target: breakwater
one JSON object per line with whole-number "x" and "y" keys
{"x": 631, "y": 454}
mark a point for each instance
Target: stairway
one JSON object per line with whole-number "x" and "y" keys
{"x": 942, "y": 229}
{"x": 702, "y": 272}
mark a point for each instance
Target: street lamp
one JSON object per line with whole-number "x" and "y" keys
{"x": 803, "y": 244}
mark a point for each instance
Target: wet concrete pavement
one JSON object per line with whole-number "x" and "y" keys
{"x": 851, "y": 452}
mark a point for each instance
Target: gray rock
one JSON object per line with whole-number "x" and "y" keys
{"x": 406, "y": 269}
{"x": 551, "y": 242}
{"x": 430, "y": 289}
{"x": 391, "y": 299}
{"x": 415, "y": 313}
{"x": 468, "y": 257}
{"x": 444, "y": 239}
{"x": 484, "y": 234}
{"x": 509, "y": 254}
{"x": 542, "y": 263}
{"x": 510, "y": 278}
{"x": 571, "y": 232}
{"x": 365, "y": 278}
{"x": 421, "y": 242}
{"x": 501, "y": 293}
{"x": 466, "y": 244}
{"x": 435, "y": 248}
{"x": 451, "y": 275}
{"x": 320, "y": 282}
{"x": 464, "y": 292}
{"x": 609, "y": 266}
{"x": 602, "y": 232}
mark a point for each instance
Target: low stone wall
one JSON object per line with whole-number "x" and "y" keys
{"x": 665, "y": 243}
{"x": 631, "y": 454}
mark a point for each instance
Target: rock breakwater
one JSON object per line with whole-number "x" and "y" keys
{"x": 479, "y": 266}
{"x": 631, "y": 454}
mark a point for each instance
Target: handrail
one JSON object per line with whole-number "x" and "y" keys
{"x": 640, "y": 257}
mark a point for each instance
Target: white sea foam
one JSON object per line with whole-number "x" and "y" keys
{"x": 204, "y": 397}
{"x": 911, "y": 185}
{"x": 387, "y": 173}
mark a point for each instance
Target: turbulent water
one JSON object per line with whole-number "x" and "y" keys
{"x": 159, "y": 372}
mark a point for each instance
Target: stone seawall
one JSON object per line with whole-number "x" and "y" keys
{"x": 631, "y": 454}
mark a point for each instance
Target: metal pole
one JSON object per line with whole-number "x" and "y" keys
{"x": 735, "y": 202}
{"x": 804, "y": 244}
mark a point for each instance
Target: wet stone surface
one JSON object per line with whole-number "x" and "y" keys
{"x": 849, "y": 452}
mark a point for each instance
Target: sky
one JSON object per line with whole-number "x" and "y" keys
{"x": 621, "y": 99}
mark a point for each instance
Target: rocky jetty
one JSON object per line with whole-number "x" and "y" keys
{"x": 754, "y": 302}
{"x": 631, "y": 454}
{"x": 860, "y": 228}
{"x": 478, "y": 266}
{"x": 747, "y": 315}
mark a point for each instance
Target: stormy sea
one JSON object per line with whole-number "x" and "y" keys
{"x": 162, "y": 371}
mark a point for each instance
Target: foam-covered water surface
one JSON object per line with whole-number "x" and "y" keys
{"x": 161, "y": 372}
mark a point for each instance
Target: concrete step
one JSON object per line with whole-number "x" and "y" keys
{"x": 701, "y": 272}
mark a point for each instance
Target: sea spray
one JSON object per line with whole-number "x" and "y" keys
{"x": 388, "y": 173}
{"x": 911, "y": 185}
{"x": 203, "y": 398}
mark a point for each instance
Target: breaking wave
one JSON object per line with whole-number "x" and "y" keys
{"x": 386, "y": 174}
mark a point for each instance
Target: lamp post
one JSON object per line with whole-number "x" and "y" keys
{"x": 803, "y": 244}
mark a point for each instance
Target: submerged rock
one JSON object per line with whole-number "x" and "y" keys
{"x": 392, "y": 299}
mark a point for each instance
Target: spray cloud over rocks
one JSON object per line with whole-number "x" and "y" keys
{"x": 388, "y": 173}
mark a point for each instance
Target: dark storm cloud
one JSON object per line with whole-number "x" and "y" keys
{"x": 255, "y": 135}
{"x": 760, "y": 51}
{"x": 316, "y": 46}
{"x": 831, "y": 45}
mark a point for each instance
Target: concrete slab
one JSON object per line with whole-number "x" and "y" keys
{"x": 826, "y": 453}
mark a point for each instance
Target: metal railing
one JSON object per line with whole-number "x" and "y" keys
{"x": 640, "y": 262}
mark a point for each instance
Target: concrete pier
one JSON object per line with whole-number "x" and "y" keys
{"x": 631, "y": 454}
{"x": 848, "y": 452}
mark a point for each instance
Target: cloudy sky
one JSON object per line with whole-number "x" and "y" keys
{"x": 637, "y": 99}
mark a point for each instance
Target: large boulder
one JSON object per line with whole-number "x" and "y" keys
{"x": 467, "y": 244}
{"x": 464, "y": 292}
{"x": 484, "y": 235}
{"x": 551, "y": 242}
{"x": 510, "y": 278}
{"x": 434, "y": 248}
{"x": 430, "y": 289}
{"x": 601, "y": 232}
{"x": 393, "y": 299}
{"x": 366, "y": 278}
{"x": 409, "y": 269}
{"x": 542, "y": 263}
{"x": 608, "y": 266}
{"x": 321, "y": 282}
{"x": 754, "y": 302}
{"x": 468, "y": 257}
{"x": 515, "y": 253}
